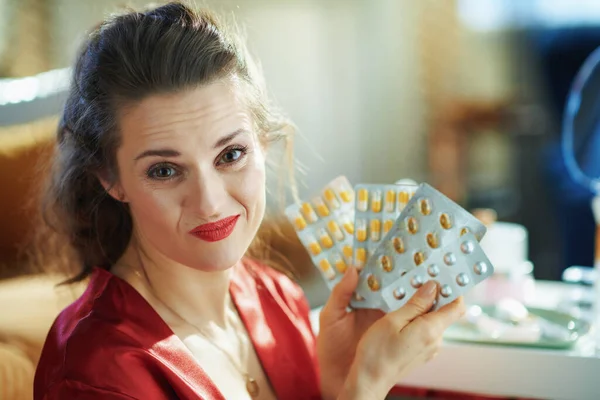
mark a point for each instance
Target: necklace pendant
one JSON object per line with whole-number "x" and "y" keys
{"x": 252, "y": 387}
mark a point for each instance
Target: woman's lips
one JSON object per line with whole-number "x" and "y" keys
{"x": 215, "y": 231}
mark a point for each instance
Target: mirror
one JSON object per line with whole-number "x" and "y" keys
{"x": 581, "y": 125}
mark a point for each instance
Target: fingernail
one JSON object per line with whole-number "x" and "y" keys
{"x": 428, "y": 289}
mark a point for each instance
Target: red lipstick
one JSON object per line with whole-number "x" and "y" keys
{"x": 215, "y": 231}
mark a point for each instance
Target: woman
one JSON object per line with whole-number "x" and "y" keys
{"x": 159, "y": 182}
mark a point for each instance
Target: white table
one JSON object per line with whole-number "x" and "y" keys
{"x": 512, "y": 371}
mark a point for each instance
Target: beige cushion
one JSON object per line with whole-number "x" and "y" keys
{"x": 16, "y": 373}
{"x": 29, "y": 306}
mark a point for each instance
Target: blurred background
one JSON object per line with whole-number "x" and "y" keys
{"x": 464, "y": 94}
{"x": 467, "y": 95}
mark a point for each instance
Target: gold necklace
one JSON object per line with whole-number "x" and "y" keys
{"x": 251, "y": 385}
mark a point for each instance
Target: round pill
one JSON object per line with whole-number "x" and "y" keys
{"x": 480, "y": 268}
{"x": 433, "y": 270}
{"x": 412, "y": 225}
{"x": 467, "y": 247}
{"x": 445, "y": 221}
{"x": 464, "y": 231}
{"x": 449, "y": 259}
{"x": 373, "y": 283}
{"x": 398, "y": 245}
{"x": 417, "y": 281}
{"x": 425, "y": 206}
{"x": 446, "y": 291}
{"x": 433, "y": 241}
{"x": 386, "y": 263}
{"x": 419, "y": 258}
{"x": 399, "y": 293}
{"x": 462, "y": 279}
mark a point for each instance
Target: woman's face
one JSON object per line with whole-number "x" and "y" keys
{"x": 192, "y": 170}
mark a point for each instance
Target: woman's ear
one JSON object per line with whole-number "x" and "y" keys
{"x": 115, "y": 190}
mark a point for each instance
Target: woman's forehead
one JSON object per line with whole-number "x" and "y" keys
{"x": 212, "y": 109}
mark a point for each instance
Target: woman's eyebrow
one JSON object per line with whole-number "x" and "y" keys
{"x": 228, "y": 138}
{"x": 174, "y": 153}
{"x": 158, "y": 152}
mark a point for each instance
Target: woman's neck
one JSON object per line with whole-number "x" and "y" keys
{"x": 199, "y": 298}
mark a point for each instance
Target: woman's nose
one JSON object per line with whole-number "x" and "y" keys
{"x": 207, "y": 196}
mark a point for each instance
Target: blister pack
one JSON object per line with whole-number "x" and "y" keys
{"x": 325, "y": 226}
{"x": 376, "y": 209}
{"x": 460, "y": 265}
{"x": 427, "y": 229}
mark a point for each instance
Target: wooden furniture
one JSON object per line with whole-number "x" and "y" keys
{"x": 452, "y": 128}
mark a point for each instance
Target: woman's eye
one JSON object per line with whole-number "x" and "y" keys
{"x": 163, "y": 172}
{"x": 231, "y": 156}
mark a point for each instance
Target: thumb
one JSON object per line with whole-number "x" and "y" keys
{"x": 419, "y": 304}
{"x": 341, "y": 294}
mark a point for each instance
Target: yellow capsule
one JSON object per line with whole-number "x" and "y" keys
{"x": 373, "y": 283}
{"x": 386, "y": 263}
{"x": 299, "y": 222}
{"x": 361, "y": 230}
{"x": 464, "y": 231}
{"x": 309, "y": 213}
{"x": 325, "y": 267}
{"x": 335, "y": 230}
{"x": 360, "y": 257}
{"x": 346, "y": 196}
{"x": 348, "y": 226}
{"x": 432, "y": 240}
{"x": 325, "y": 239}
{"x": 314, "y": 248}
{"x": 387, "y": 225}
{"x": 346, "y": 193}
{"x": 347, "y": 250}
{"x": 340, "y": 264}
{"x": 322, "y": 209}
{"x": 412, "y": 225}
{"x": 419, "y": 258}
{"x": 375, "y": 230}
{"x": 331, "y": 198}
{"x": 376, "y": 201}
{"x": 398, "y": 245}
{"x": 403, "y": 197}
{"x": 425, "y": 206}
{"x": 363, "y": 200}
{"x": 390, "y": 201}
{"x": 445, "y": 221}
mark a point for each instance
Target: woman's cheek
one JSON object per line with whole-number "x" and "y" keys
{"x": 158, "y": 206}
{"x": 252, "y": 183}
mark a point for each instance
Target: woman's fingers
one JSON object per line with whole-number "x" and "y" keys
{"x": 419, "y": 304}
{"x": 340, "y": 297}
{"x": 448, "y": 314}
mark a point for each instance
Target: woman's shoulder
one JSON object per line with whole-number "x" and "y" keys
{"x": 88, "y": 351}
{"x": 92, "y": 336}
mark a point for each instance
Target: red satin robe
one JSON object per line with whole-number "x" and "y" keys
{"x": 111, "y": 344}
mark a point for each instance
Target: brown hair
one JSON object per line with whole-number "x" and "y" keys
{"x": 127, "y": 58}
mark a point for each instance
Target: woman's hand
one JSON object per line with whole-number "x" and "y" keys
{"x": 339, "y": 334}
{"x": 370, "y": 352}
